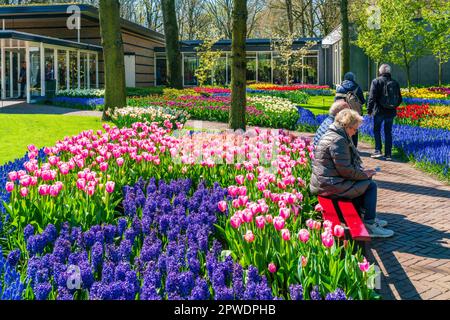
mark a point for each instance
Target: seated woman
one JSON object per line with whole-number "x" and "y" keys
{"x": 338, "y": 172}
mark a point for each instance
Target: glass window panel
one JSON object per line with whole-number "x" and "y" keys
{"x": 264, "y": 67}
{"x": 62, "y": 70}
{"x": 83, "y": 70}
{"x": 49, "y": 73}
{"x": 310, "y": 70}
{"x": 251, "y": 67}
{"x": 161, "y": 71}
{"x": 220, "y": 72}
{"x": 92, "y": 71}
{"x": 7, "y": 73}
{"x": 35, "y": 71}
{"x": 190, "y": 65}
{"x": 73, "y": 70}
{"x": 279, "y": 76}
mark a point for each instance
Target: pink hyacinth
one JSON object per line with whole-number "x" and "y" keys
{"x": 235, "y": 221}
{"x": 249, "y": 236}
{"x": 260, "y": 222}
{"x": 9, "y": 186}
{"x": 222, "y": 206}
{"x": 303, "y": 235}
{"x": 339, "y": 231}
{"x": 23, "y": 191}
{"x": 110, "y": 186}
{"x": 286, "y": 234}
{"x": 364, "y": 266}
{"x": 284, "y": 213}
{"x": 278, "y": 223}
{"x": 272, "y": 267}
{"x": 240, "y": 179}
{"x": 327, "y": 239}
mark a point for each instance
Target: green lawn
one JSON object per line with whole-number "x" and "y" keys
{"x": 319, "y": 104}
{"x": 18, "y": 131}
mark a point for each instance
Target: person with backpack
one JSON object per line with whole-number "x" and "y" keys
{"x": 384, "y": 98}
{"x": 352, "y": 93}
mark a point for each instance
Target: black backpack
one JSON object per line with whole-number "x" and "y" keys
{"x": 390, "y": 98}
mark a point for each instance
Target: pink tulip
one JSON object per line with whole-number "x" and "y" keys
{"x": 317, "y": 225}
{"x": 240, "y": 179}
{"x": 53, "y": 160}
{"x": 54, "y": 190}
{"x": 236, "y": 204}
{"x": 90, "y": 190}
{"x": 64, "y": 168}
{"x": 364, "y": 266}
{"x": 23, "y": 191}
{"x": 250, "y": 176}
{"x": 281, "y": 185}
{"x": 12, "y": 176}
{"x": 247, "y": 215}
{"x": 304, "y": 261}
{"x": 119, "y": 161}
{"x": 286, "y": 234}
{"x": 303, "y": 235}
{"x": 249, "y": 236}
{"x": 272, "y": 267}
{"x": 339, "y": 231}
{"x": 269, "y": 218}
{"x": 242, "y": 190}
{"x": 222, "y": 206}
{"x": 260, "y": 222}
{"x": 278, "y": 223}
{"x": 81, "y": 175}
{"x": 81, "y": 184}
{"x": 44, "y": 189}
{"x": 327, "y": 224}
{"x": 243, "y": 200}
{"x": 282, "y": 204}
{"x": 235, "y": 221}
{"x": 267, "y": 194}
{"x": 318, "y": 207}
{"x": 110, "y": 186}
{"x": 284, "y": 213}
{"x": 103, "y": 166}
{"x": 9, "y": 186}
{"x": 32, "y": 148}
{"x": 261, "y": 186}
{"x": 233, "y": 191}
{"x": 327, "y": 239}
{"x": 25, "y": 181}
{"x": 310, "y": 223}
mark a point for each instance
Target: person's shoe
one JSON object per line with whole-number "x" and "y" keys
{"x": 375, "y": 231}
{"x": 388, "y": 158}
{"x": 381, "y": 223}
{"x": 376, "y": 154}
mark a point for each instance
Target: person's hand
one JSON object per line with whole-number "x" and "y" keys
{"x": 370, "y": 173}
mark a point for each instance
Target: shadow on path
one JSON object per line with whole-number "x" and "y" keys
{"x": 413, "y": 188}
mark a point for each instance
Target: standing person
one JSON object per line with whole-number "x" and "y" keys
{"x": 384, "y": 98}
{"x": 351, "y": 92}
{"x": 337, "y": 171}
{"x": 23, "y": 80}
{"x": 335, "y": 108}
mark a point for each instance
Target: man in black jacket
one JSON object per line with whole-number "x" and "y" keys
{"x": 384, "y": 98}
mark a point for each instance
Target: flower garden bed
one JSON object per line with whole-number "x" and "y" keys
{"x": 139, "y": 213}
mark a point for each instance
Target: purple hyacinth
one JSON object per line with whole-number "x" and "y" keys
{"x": 13, "y": 257}
{"x": 42, "y": 290}
{"x": 315, "y": 294}
{"x": 339, "y": 294}
{"x": 28, "y": 231}
{"x": 296, "y": 292}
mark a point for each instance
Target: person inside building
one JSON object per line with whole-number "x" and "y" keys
{"x": 23, "y": 80}
{"x": 351, "y": 92}
{"x": 337, "y": 171}
{"x": 335, "y": 108}
{"x": 384, "y": 98}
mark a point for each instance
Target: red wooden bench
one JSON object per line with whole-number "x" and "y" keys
{"x": 343, "y": 211}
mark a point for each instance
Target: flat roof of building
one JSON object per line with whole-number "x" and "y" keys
{"x": 251, "y": 44}
{"x": 58, "y": 10}
{"x": 23, "y": 36}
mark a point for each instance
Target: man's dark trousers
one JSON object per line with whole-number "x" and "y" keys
{"x": 388, "y": 121}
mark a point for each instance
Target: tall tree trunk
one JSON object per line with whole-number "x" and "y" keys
{"x": 440, "y": 71}
{"x": 173, "y": 52}
{"x": 113, "y": 57}
{"x": 345, "y": 37}
{"x": 290, "y": 16}
{"x": 239, "y": 65}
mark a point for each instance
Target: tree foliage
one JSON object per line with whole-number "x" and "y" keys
{"x": 207, "y": 57}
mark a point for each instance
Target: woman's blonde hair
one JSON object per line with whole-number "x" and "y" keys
{"x": 348, "y": 118}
